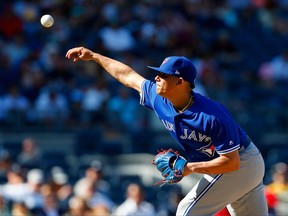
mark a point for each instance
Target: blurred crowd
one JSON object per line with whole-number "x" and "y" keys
{"x": 239, "y": 50}
{"x": 238, "y": 47}
{"x": 28, "y": 188}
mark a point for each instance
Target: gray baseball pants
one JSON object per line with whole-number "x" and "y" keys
{"x": 242, "y": 191}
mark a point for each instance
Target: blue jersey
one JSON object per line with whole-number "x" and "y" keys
{"x": 203, "y": 131}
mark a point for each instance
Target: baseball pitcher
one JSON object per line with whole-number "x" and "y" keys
{"x": 215, "y": 144}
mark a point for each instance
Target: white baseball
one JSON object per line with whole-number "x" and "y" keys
{"x": 47, "y": 20}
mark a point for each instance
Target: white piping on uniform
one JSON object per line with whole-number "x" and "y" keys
{"x": 229, "y": 150}
{"x": 202, "y": 193}
{"x": 141, "y": 94}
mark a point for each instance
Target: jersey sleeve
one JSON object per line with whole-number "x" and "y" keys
{"x": 228, "y": 138}
{"x": 148, "y": 94}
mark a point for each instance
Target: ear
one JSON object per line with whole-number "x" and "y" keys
{"x": 180, "y": 81}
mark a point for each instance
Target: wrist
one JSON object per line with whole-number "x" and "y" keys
{"x": 95, "y": 56}
{"x": 187, "y": 169}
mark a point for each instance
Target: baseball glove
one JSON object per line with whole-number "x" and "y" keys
{"x": 171, "y": 166}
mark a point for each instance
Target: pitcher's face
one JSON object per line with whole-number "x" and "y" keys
{"x": 166, "y": 83}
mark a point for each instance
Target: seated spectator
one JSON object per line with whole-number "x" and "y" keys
{"x": 116, "y": 38}
{"x": 94, "y": 173}
{"x": 78, "y": 207}
{"x": 51, "y": 205}
{"x": 93, "y": 99}
{"x": 277, "y": 190}
{"x": 17, "y": 50}
{"x": 124, "y": 110}
{"x": 135, "y": 203}
{"x": 51, "y": 106}
{"x": 87, "y": 191}
{"x": 15, "y": 189}
{"x": 276, "y": 69}
{"x": 34, "y": 200}
{"x": 30, "y": 155}
{"x": 15, "y": 105}
{"x": 13, "y": 100}
{"x": 61, "y": 187}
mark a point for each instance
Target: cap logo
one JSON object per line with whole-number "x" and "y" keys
{"x": 177, "y": 72}
{"x": 165, "y": 60}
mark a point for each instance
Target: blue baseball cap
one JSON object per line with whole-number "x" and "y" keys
{"x": 178, "y": 66}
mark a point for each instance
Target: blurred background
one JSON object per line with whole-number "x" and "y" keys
{"x": 73, "y": 140}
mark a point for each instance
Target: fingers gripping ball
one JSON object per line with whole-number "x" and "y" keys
{"x": 171, "y": 165}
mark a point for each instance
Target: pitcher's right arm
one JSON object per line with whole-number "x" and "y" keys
{"x": 120, "y": 71}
